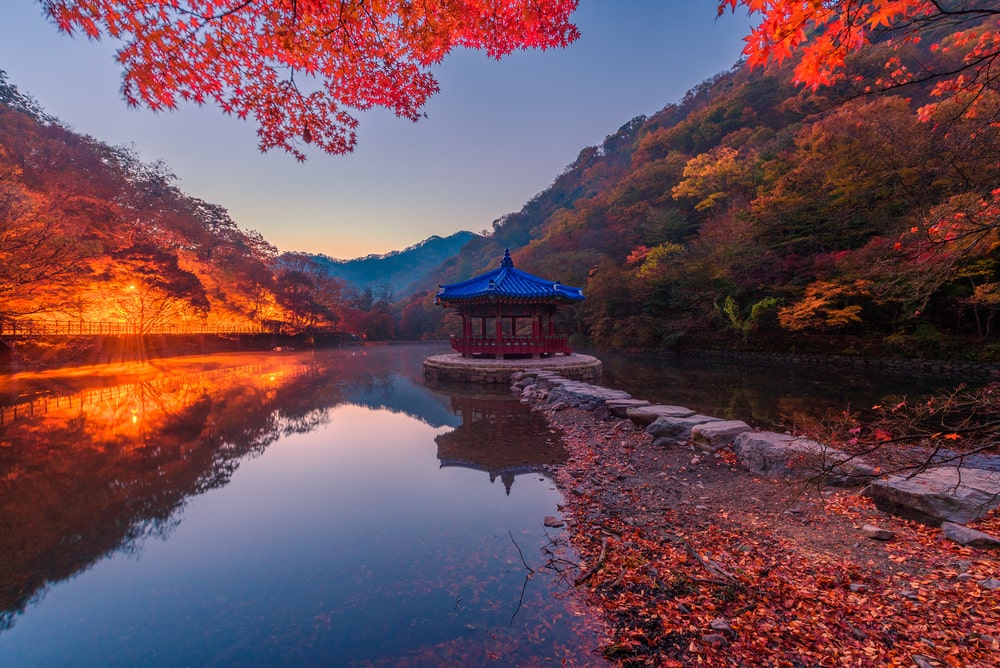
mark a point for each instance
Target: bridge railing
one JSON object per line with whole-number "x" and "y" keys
{"x": 38, "y": 328}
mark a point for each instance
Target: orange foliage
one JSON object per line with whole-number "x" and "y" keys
{"x": 298, "y": 66}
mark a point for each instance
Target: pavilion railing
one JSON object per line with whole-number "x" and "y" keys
{"x": 546, "y": 345}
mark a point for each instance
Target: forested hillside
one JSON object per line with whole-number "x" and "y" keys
{"x": 752, "y": 213}
{"x": 93, "y": 237}
{"x": 758, "y": 213}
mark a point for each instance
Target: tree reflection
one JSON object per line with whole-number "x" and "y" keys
{"x": 102, "y": 470}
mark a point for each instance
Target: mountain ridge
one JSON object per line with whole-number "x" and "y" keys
{"x": 405, "y": 270}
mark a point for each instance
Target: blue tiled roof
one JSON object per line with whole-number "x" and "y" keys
{"x": 506, "y": 281}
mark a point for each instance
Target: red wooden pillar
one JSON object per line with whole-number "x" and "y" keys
{"x": 499, "y": 328}
{"x": 536, "y": 336}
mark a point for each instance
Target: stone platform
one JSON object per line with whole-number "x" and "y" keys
{"x": 455, "y": 368}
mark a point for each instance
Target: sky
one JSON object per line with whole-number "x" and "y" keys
{"x": 497, "y": 134}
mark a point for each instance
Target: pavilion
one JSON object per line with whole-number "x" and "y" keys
{"x": 506, "y": 295}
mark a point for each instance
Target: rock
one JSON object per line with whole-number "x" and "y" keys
{"x": 990, "y": 583}
{"x": 619, "y": 407}
{"x": 647, "y": 415}
{"x": 601, "y": 413}
{"x": 858, "y": 588}
{"x": 712, "y": 436}
{"x": 942, "y": 494}
{"x": 677, "y": 428}
{"x": 721, "y": 625}
{"x": 877, "y": 533}
{"x": 965, "y": 536}
{"x": 553, "y": 522}
{"x": 582, "y": 395}
{"x": 785, "y": 456}
{"x": 524, "y": 382}
{"x": 663, "y": 442}
{"x": 716, "y": 639}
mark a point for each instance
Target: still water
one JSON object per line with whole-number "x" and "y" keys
{"x": 764, "y": 394}
{"x": 288, "y": 509}
{"x": 312, "y": 508}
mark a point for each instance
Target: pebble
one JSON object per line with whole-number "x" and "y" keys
{"x": 715, "y": 639}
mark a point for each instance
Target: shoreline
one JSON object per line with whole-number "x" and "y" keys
{"x": 690, "y": 559}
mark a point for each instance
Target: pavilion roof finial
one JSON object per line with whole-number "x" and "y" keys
{"x": 506, "y": 262}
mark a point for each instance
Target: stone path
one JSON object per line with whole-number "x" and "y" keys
{"x": 941, "y": 494}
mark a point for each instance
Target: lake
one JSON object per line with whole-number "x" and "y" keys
{"x": 287, "y": 509}
{"x": 304, "y": 508}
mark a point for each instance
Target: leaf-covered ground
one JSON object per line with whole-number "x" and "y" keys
{"x": 695, "y": 561}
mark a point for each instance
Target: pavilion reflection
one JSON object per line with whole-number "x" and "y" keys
{"x": 499, "y": 436}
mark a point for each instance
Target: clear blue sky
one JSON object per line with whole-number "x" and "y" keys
{"x": 497, "y": 134}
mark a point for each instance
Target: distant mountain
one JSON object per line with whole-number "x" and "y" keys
{"x": 404, "y": 270}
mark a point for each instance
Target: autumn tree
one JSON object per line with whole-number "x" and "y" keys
{"x": 302, "y": 68}
{"x": 311, "y": 297}
{"x": 39, "y": 259}
{"x": 824, "y": 35}
{"x": 145, "y": 287}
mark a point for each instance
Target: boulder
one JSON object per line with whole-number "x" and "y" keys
{"x": 677, "y": 428}
{"x": 963, "y": 535}
{"x": 712, "y": 436}
{"x": 646, "y": 415}
{"x": 941, "y": 494}
{"x": 619, "y": 407}
{"x": 584, "y": 395}
{"x": 785, "y": 456}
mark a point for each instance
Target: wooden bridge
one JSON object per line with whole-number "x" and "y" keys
{"x": 22, "y": 329}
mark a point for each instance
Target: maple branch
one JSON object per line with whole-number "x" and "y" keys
{"x": 531, "y": 571}
{"x": 712, "y": 567}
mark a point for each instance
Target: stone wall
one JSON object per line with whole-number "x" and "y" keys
{"x": 454, "y": 368}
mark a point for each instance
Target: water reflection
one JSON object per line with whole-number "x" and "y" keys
{"x": 499, "y": 436}
{"x": 765, "y": 394}
{"x": 102, "y": 470}
{"x": 349, "y": 535}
